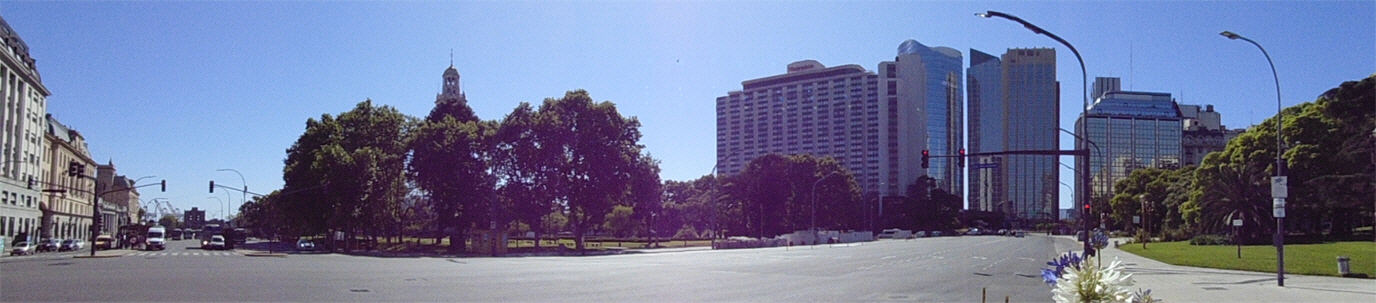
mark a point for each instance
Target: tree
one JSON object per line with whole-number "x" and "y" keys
{"x": 595, "y": 152}
{"x": 346, "y": 173}
{"x": 520, "y": 166}
{"x": 451, "y": 164}
{"x": 774, "y": 195}
{"x": 1330, "y": 154}
{"x": 621, "y": 222}
{"x": 169, "y": 220}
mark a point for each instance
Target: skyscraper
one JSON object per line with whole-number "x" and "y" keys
{"x": 1031, "y": 97}
{"x": 986, "y": 129}
{"x": 1132, "y": 130}
{"x": 924, "y": 85}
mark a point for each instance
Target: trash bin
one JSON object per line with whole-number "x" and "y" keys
{"x": 1343, "y": 268}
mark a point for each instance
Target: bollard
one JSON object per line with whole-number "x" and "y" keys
{"x": 1343, "y": 268}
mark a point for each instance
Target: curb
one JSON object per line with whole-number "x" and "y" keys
{"x": 96, "y": 256}
{"x": 279, "y": 255}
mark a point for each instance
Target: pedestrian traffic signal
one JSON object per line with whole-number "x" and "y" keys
{"x": 926, "y": 156}
{"x": 960, "y": 161}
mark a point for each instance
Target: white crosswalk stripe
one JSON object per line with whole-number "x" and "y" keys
{"x": 183, "y": 254}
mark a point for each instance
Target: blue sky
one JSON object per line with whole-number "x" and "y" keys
{"x": 180, "y": 89}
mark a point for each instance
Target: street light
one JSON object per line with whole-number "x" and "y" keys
{"x": 814, "y": 205}
{"x": 716, "y": 194}
{"x": 1084, "y": 86}
{"x": 1278, "y": 183}
{"x": 221, "y": 204}
{"x": 241, "y": 182}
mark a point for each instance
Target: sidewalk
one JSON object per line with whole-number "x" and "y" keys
{"x": 1172, "y": 283}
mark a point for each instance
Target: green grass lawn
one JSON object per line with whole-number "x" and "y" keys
{"x": 1304, "y": 259}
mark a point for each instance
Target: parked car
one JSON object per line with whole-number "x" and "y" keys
{"x": 1003, "y": 232}
{"x": 305, "y": 244}
{"x": 46, "y": 245}
{"x": 22, "y": 248}
{"x": 972, "y": 232}
{"x": 1019, "y": 233}
{"x": 104, "y": 242}
{"x": 72, "y": 244}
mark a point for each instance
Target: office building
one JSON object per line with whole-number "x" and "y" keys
{"x": 1203, "y": 133}
{"x": 1104, "y": 85}
{"x": 67, "y": 209}
{"x": 811, "y": 109}
{"x": 1132, "y": 130}
{"x": 922, "y": 87}
{"x": 1031, "y": 100}
{"x": 124, "y": 204}
{"x": 986, "y": 128}
{"x": 194, "y": 218}
{"x": 21, "y": 138}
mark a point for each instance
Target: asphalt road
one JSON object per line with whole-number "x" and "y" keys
{"x": 929, "y": 269}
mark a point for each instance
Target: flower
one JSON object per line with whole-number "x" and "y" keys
{"x": 1058, "y": 266}
{"x": 1092, "y": 283}
{"x": 1142, "y": 296}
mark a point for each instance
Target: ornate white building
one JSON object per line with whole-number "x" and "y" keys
{"x": 22, "y": 146}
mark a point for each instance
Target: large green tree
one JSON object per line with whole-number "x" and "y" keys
{"x": 1329, "y": 147}
{"x": 595, "y": 152}
{"x": 346, "y": 173}
{"x": 774, "y": 195}
{"x": 451, "y": 160}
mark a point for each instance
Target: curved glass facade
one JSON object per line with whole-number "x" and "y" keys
{"x": 938, "y": 90}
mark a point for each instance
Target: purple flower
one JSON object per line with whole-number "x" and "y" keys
{"x": 1069, "y": 259}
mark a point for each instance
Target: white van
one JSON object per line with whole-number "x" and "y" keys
{"x": 155, "y": 238}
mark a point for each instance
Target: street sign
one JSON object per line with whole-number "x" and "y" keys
{"x": 1278, "y": 208}
{"x": 1136, "y": 219}
{"x": 984, "y": 165}
{"x": 1237, "y": 222}
{"x": 1279, "y": 187}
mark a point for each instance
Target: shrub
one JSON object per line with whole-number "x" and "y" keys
{"x": 1210, "y": 240}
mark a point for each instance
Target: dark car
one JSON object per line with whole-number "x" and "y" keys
{"x": 48, "y": 245}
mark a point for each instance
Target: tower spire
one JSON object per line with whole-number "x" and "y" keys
{"x": 451, "y": 57}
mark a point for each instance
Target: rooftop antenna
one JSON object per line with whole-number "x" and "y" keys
{"x": 451, "y": 57}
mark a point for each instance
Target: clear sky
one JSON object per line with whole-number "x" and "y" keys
{"x": 181, "y": 89}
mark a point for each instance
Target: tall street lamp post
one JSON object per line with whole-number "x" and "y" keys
{"x": 1278, "y": 183}
{"x": 814, "y": 205}
{"x": 241, "y": 182}
{"x": 1084, "y": 79}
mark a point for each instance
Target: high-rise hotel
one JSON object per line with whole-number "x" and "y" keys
{"x": 876, "y": 125}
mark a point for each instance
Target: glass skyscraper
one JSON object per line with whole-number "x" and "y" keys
{"x": 986, "y": 126}
{"x": 1031, "y": 98}
{"x": 927, "y": 81}
{"x": 1133, "y": 130}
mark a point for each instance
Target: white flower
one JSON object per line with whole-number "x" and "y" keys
{"x": 1092, "y": 283}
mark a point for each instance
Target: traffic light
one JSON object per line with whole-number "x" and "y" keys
{"x": 30, "y": 186}
{"x": 960, "y": 161}
{"x": 926, "y": 156}
{"x": 72, "y": 169}
{"x": 212, "y": 186}
{"x": 164, "y": 185}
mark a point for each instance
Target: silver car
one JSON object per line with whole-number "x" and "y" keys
{"x": 22, "y": 248}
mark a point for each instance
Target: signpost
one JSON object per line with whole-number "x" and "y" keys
{"x": 1237, "y": 224}
{"x": 1279, "y": 191}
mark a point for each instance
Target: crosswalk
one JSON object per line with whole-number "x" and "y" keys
{"x": 179, "y": 254}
